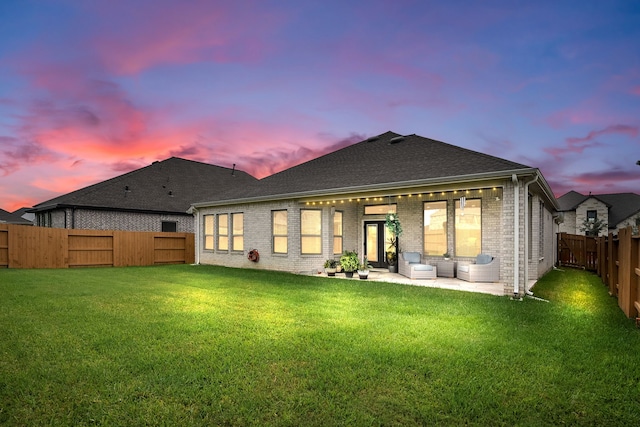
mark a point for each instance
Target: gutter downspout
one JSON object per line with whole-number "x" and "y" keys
{"x": 196, "y": 219}
{"x": 526, "y": 231}
{"x": 516, "y": 236}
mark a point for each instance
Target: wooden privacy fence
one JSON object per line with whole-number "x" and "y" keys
{"x": 616, "y": 259}
{"x": 578, "y": 251}
{"x": 619, "y": 269}
{"x": 41, "y": 247}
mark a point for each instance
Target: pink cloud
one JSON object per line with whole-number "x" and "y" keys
{"x": 631, "y": 131}
{"x": 636, "y": 90}
{"x": 577, "y": 145}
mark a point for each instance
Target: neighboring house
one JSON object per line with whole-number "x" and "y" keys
{"x": 25, "y": 214}
{"x": 153, "y": 198}
{"x": 618, "y": 211}
{"x": 447, "y": 198}
{"x": 12, "y": 218}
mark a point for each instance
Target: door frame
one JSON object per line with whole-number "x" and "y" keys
{"x": 381, "y": 243}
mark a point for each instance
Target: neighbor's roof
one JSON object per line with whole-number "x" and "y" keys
{"x": 12, "y": 218}
{"x": 621, "y": 205}
{"x": 383, "y": 161}
{"x": 165, "y": 186}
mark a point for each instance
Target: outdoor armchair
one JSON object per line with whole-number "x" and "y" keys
{"x": 485, "y": 269}
{"x": 410, "y": 265}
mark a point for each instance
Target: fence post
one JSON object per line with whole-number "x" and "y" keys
{"x": 627, "y": 292}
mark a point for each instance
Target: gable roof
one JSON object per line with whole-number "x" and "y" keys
{"x": 388, "y": 160}
{"x": 11, "y": 218}
{"x": 621, "y": 205}
{"x": 168, "y": 186}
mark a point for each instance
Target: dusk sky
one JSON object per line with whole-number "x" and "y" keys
{"x": 92, "y": 89}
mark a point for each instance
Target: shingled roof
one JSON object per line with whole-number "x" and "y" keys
{"x": 621, "y": 205}
{"x": 12, "y": 218}
{"x": 381, "y": 161}
{"x": 169, "y": 186}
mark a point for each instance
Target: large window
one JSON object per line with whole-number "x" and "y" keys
{"x": 468, "y": 227}
{"x": 311, "y": 231}
{"x": 208, "y": 232}
{"x": 280, "y": 234}
{"x": 223, "y": 232}
{"x": 337, "y": 233}
{"x": 237, "y": 237}
{"x": 435, "y": 228}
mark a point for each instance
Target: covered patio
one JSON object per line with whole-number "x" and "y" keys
{"x": 383, "y": 275}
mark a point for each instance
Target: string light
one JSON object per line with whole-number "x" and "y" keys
{"x": 450, "y": 193}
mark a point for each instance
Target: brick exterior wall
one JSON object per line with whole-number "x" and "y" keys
{"x": 497, "y": 231}
{"x": 113, "y": 220}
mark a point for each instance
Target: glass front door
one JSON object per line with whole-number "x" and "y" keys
{"x": 376, "y": 240}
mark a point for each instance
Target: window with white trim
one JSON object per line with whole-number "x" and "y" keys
{"x": 310, "y": 231}
{"x": 209, "y": 230}
{"x": 468, "y": 227}
{"x": 279, "y": 223}
{"x": 237, "y": 236}
{"x": 337, "y": 233}
{"x": 223, "y": 232}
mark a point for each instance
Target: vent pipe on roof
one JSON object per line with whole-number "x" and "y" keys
{"x": 233, "y": 171}
{"x": 396, "y": 139}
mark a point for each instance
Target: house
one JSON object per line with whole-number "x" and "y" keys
{"x": 24, "y": 214}
{"x": 153, "y": 198}
{"x": 447, "y": 198}
{"x": 619, "y": 210}
{"x": 12, "y": 218}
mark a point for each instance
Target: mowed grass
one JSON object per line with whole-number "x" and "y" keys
{"x": 203, "y": 345}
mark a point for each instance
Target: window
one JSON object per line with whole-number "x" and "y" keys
{"x": 435, "y": 228}
{"x": 169, "y": 226}
{"x": 380, "y": 209}
{"x": 208, "y": 232}
{"x": 310, "y": 231}
{"x": 237, "y": 238}
{"x": 337, "y": 233}
{"x": 468, "y": 227}
{"x": 592, "y": 216}
{"x": 223, "y": 232}
{"x": 280, "y": 234}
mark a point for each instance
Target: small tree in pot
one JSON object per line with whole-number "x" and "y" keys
{"x": 395, "y": 229}
{"x": 349, "y": 262}
{"x": 330, "y": 267}
{"x": 363, "y": 269}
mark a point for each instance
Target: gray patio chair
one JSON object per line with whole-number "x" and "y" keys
{"x": 485, "y": 269}
{"x": 410, "y": 265}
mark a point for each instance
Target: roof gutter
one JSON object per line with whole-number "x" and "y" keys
{"x": 102, "y": 208}
{"x": 395, "y": 186}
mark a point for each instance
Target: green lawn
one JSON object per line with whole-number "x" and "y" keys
{"x": 197, "y": 345}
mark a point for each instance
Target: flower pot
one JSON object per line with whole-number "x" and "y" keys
{"x": 330, "y": 271}
{"x": 363, "y": 274}
{"x": 393, "y": 269}
{"x": 348, "y": 273}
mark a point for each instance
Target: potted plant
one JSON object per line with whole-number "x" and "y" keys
{"x": 392, "y": 260}
{"x": 395, "y": 229}
{"x": 363, "y": 269}
{"x": 330, "y": 267}
{"x": 349, "y": 262}
{"x": 446, "y": 256}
